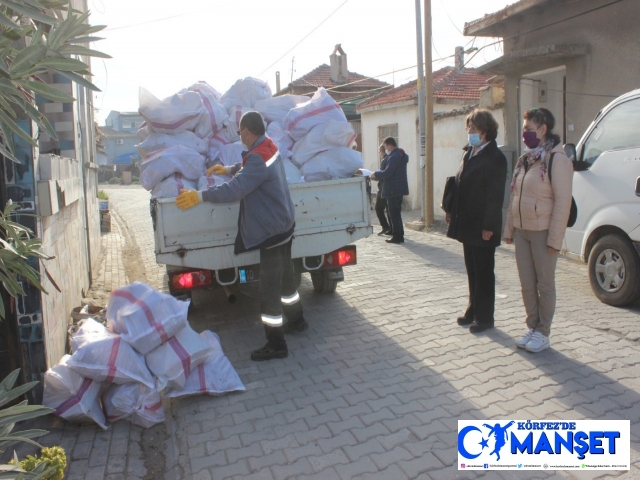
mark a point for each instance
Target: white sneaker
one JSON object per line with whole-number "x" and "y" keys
{"x": 524, "y": 340}
{"x": 537, "y": 343}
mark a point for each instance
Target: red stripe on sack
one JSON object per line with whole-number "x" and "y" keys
{"x": 70, "y": 402}
{"x": 174, "y": 125}
{"x": 155, "y": 407}
{"x": 147, "y": 311}
{"x": 352, "y": 139}
{"x": 219, "y": 139}
{"x": 209, "y": 108}
{"x": 238, "y": 116}
{"x": 201, "y": 377}
{"x": 112, "y": 360}
{"x": 179, "y": 180}
{"x": 312, "y": 113}
{"x": 183, "y": 355}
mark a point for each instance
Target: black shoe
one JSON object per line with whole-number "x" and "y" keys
{"x": 295, "y": 327}
{"x": 395, "y": 240}
{"x": 479, "y": 327}
{"x": 465, "y": 321}
{"x": 268, "y": 352}
{"x": 384, "y": 231}
{"x": 388, "y": 233}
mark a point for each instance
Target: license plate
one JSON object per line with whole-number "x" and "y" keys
{"x": 249, "y": 275}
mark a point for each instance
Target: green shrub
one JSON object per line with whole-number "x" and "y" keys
{"x": 115, "y": 180}
{"x": 102, "y": 195}
{"x": 54, "y": 458}
{"x": 135, "y": 179}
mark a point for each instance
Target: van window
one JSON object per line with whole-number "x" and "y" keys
{"x": 619, "y": 129}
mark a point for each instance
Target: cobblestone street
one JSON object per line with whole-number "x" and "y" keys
{"x": 375, "y": 387}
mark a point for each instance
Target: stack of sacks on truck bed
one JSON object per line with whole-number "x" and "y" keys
{"x": 196, "y": 128}
{"x": 121, "y": 371}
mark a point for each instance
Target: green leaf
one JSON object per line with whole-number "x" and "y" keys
{"x": 30, "y": 12}
{"x": 48, "y": 91}
{"x": 63, "y": 63}
{"x": 95, "y": 28}
{"x": 12, "y": 157}
{"x": 15, "y": 393}
{"x": 86, "y": 39}
{"x": 80, "y": 50}
{"x": 6, "y": 21}
{"x": 10, "y": 380}
{"x": 27, "y": 58}
{"x": 40, "y": 119}
{"x": 79, "y": 80}
{"x": 23, "y": 412}
{"x": 13, "y": 126}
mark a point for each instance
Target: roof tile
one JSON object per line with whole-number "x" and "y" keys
{"x": 321, "y": 77}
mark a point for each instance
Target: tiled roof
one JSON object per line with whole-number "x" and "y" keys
{"x": 447, "y": 84}
{"x": 321, "y": 77}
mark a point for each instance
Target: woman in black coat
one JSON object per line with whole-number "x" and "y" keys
{"x": 475, "y": 218}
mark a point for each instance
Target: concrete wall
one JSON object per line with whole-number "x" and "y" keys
{"x": 113, "y": 150}
{"x": 611, "y": 68}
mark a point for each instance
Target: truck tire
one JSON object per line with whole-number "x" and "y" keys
{"x": 614, "y": 271}
{"x": 322, "y": 283}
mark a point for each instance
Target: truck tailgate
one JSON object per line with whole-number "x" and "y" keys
{"x": 329, "y": 215}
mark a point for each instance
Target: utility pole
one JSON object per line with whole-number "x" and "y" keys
{"x": 428, "y": 83}
{"x": 421, "y": 109}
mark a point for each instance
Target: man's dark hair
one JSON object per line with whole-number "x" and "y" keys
{"x": 484, "y": 122}
{"x": 253, "y": 122}
{"x": 390, "y": 141}
{"x": 382, "y": 149}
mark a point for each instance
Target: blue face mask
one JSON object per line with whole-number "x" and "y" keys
{"x": 475, "y": 140}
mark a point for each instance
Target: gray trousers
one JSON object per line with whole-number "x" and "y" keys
{"x": 537, "y": 270}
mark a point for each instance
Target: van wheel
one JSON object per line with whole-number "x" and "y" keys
{"x": 322, "y": 283}
{"x": 614, "y": 271}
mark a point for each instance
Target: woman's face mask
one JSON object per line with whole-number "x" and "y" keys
{"x": 475, "y": 140}
{"x": 530, "y": 137}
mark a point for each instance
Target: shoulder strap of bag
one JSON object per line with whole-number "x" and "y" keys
{"x": 551, "y": 165}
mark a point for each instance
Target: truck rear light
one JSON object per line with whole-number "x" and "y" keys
{"x": 191, "y": 280}
{"x": 341, "y": 258}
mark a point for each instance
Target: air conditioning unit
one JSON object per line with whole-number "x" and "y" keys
{"x": 119, "y": 141}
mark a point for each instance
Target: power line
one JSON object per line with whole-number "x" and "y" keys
{"x": 305, "y": 37}
{"x": 449, "y": 17}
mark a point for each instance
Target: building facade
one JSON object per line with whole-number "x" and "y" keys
{"x": 119, "y": 137}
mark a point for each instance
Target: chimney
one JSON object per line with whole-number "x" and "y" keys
{"x": 339, "y": 70}
{"x": 277, "y": 81}
{"x": 459, "y": 59}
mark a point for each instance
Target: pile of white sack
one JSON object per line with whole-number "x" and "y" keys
{"x": 146, "y": 352}
{"x": 196, "y": 128}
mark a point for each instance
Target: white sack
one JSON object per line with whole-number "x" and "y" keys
{"x": 246, "y": 92}
{"x": 231, "y": 154}
{"x": 158, "y": 141}
{"x": 73, "y": 397}
{"x": 206, "y": 182}
{"x": 173, "y": 362}
{"x": 148, "y": 319}
{"x": 274, "y": 109}
{"x": 175, "y": 114}
{"x": 135, "y": 402}
{"x": 337, "y": 162}
{"x": 88, "y": 331}
{"x": 214, "y": 377}
{"x": 321, "y": 108}
{"x": 143, "y": 132}
{"x": 107, "y": 358}
{"x": 163, "y": 163}
{"x": 292, "y": 172}
{"x": 215, "y": 118}
{"x": 216, "y": 142}
{"x": 321, "y": 138}
{"x": 205, "y": 87}
{"x": 235, "y": 114}
{"x": 282, "y": 139}
{"x": 170, "y": 187}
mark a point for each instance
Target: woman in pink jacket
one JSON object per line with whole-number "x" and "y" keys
{"x": 536, "y": 221}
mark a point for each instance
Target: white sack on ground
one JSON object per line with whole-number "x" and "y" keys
{"x": 282, "y": 139}
{"x": 214, "y": 377}
{"x": 173, "y": 362}
{"x": 148, "y": 319}
{"x": 158, "y": 141}
{"x": 246, "y": 93}
{"x": 108, "y": 358}
{"x": 135, "y": 402}
{"x": 321, "y": 108}
{"x": 274, "y": 109}
{"x": 172, "y": 115}
{"x": 170, "y": 187}
{"x": 321, "y": 138}
{"x": 163, "y": 163}
{"x": 293, "y": 173}
{"x": 337, "y": 162}
{"x": 88, "y": 331}
{"x": 215, "y": 118}
{"x": 73, "y": 397}
{"x": 122, "y": 297}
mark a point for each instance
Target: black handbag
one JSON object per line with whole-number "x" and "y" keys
{"x": 448, "y": 195}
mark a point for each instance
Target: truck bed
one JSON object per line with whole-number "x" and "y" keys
{"x": 329, "y": 215}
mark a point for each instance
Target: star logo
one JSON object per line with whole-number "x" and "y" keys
{"x": 484, "y": 443}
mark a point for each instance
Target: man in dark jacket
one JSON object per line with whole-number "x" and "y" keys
{"x": 395, "y": 185}
{"x": 266, "y": 223}
{"x": 382, "y": 211}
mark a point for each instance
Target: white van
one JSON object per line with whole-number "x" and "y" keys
{"x": 606, "y": 188}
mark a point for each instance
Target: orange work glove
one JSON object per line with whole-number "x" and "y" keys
{"x": 188, "y": 199}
